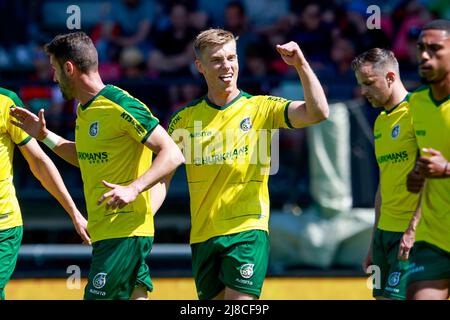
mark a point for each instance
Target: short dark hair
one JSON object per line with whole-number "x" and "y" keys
{"x": 378, "y": 58}
{"x": 440, "y": 24}
{"x": 76, "y": 47}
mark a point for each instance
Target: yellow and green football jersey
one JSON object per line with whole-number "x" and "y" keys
{"x": 227, "y": 151}
{"x": 9, "y": 136}
{"x": 431, "y": 121}
{"x": 110, "y": 133}
{"x": 396, "y": 151}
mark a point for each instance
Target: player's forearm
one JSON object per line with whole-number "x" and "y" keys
{"x": 66, "y": 149}
{"x": 315, "y": 99}
{"x": 45, "y": 171}
{"x": 158, "y": 194}
{"x": 416, "y": 216}
{"x": 165, "y": 164}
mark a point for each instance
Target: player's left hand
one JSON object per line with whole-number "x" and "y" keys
{"x": 406, "y": 244}
{"x": 433, "y": 166}
{"x": 291, "y": 54}
{"x": 119, "y": 195}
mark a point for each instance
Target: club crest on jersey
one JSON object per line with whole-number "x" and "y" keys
{"x": 99, "y": 280}
{"x": 93, "y": 129}
{"x": 394, "y": 279}
{"x": 247, "y": 270}
{"x": 246, "y": 124}
{"x": 395, "y": 131}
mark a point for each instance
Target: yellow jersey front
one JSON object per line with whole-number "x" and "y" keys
{"x": 227, "y": 151}
{"x": 10, "y": 135}
{"x": 431, "y": 120}
{"x": 110, "y": 134}
{"x": 396, "y": 151}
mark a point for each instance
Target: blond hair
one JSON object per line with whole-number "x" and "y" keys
{"x": 210, "y": 38}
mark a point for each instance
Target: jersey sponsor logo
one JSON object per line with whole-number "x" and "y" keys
{"x": 394, "y": 279}
{"x": 201, "y": 134}
{"x": 277, "y": 99}
{"x": 173, "y": 123}
{"x": 93, "y": 129}
{"x": 99, "y": 280}
{"x": 247, "y": 270}
{"x": 221, "y": 158}
{"x": 421, "y": 133}
{"x": 395, "y": 132}
{"x": 394, "y": 157}
{"x": 245, "y": 124}
{"x": 93, "y": 157}
{"x": 138, "y": 127}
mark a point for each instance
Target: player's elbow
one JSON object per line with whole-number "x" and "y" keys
{"x": 324, "y": 112}
{"x": 176, "y": 158}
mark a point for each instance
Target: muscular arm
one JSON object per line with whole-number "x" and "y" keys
{"x": 36, "y": 127}
{"x": 46, "y": 172}
{"x": 315, "y": 107}
{"x": 369, "y": 257}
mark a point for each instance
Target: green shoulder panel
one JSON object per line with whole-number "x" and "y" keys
{"x": 11, "y": 95}
{"x": 133, "y": 106}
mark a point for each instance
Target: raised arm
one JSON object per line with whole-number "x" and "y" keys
{"x": 315, "y": 107}
{"x": 46, "y": 172}
{"x": 36, "y": 127}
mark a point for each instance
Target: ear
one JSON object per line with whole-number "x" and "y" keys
{"x": 391, "y": 77}
{"x": 69, "y": 68}
{"x": 199, "y": 66}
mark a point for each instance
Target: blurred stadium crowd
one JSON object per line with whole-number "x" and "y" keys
{"x": 145, "y": 47}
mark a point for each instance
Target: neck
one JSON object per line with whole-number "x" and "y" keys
{"x": 441, "y": 90}
{"x": 88, "y": 87}
{"x": 398, "y": 94}
{"x": 222, "y": 98}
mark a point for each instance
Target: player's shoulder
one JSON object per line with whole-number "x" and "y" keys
{"x": 186, "y": 108}
{"x": 6, "y": 94}
{"x": 121, "y": 97}
{"x": 420, "y": 91}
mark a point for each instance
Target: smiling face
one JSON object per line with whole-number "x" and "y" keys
{"x": 219, "y": 65}
{"x": 433, "y": 54}
{"x": 374, "y": 85}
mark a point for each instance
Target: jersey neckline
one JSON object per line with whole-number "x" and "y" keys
{"x": 87, "y": 104}
{"x": 215, "y": 106}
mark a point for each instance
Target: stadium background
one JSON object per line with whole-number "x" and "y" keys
{"x": 156, "y": 67}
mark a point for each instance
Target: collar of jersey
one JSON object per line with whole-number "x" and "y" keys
{"x": 87, "y": 104}
{"x": 406, "y": 98}
{"x": 215, "y": 106}
{"x": 437, "y": 103}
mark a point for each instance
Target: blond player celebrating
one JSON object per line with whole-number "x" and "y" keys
{"x": 229, "y": 196}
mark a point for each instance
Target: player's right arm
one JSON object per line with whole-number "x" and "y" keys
{"x": 409, "y": 236}
{"x": 46, "y": 172}
{"x": 36, "y": 127}
{"x": 368, "y": 260}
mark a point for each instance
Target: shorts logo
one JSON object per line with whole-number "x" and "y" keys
{"x": 395, "y": 132}
{"x": 246, "y": 124}
{"x": 99, "y": 280}
{"x": 394, "y": 279}
{"x": 93, "y": 129}
{"x": 247, "y": 270}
